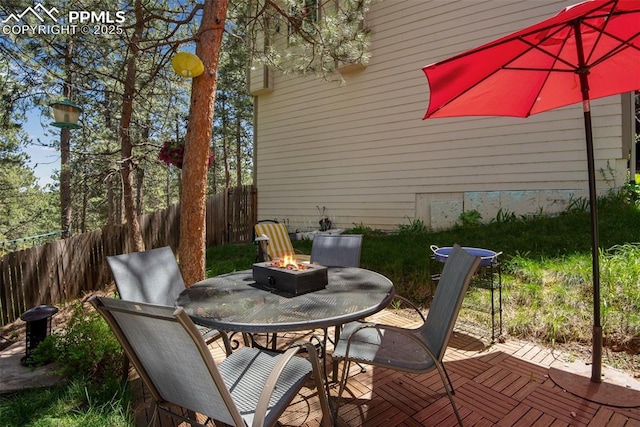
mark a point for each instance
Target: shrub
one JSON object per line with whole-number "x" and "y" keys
{"x": 470, "y": 218}
{"x": 630, "y": 193}
{"x": 365, "y": 230}
{"x": 85, "y": 348}
{"x": 415, "y": 226}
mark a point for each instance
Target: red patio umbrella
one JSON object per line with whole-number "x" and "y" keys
{"x": 589, "y": 50}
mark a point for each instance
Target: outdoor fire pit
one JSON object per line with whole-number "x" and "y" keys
{"x": 289, "y": 276}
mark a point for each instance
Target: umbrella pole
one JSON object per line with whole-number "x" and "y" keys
{"x": 596, "y": 362}
{"x": 583, "y": 73}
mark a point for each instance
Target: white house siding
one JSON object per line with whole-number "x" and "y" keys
{"x": 362, "y": 151}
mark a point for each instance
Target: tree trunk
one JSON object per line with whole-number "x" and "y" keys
{"x": 238, "y": 153}
{"x": 140, "y": 190}
{"x": 126, "y": 151}
{"x": 198, "y": 139}
{"x": 65, "y": 152}
{"x": 225, "y": 147}
{"x": 65, "y": 182}
{"x": 85, "y": 203}
{"x": 112, "y": 211}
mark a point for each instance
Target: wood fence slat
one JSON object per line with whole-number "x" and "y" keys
{"x": 37, "y": 260}
{"x": 5, "y": 295}
{"x": 20, "y": 299}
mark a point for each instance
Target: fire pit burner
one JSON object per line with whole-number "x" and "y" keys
{"x": 289, "y": 263}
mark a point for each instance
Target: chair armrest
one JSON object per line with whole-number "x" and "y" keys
{"x": 319, "y": 374}
{"x": 265, "y": 396}
{"x": 403, "y": 331}
{"x": 269, "y": 386}
{"x": 411, "y": 305}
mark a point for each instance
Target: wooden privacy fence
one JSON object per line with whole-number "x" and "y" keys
{"x": 67, "y": 269}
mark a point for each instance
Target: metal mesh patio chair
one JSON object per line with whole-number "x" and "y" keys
{"x": 153, "y": 277}
{"x": 413, "y": 350}
{"x": 249, "y": 388}
{"x": 341, "y": 250}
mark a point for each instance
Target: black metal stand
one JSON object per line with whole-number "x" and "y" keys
{"x": 38, "y": 327}
{"x": 490, "y": 278}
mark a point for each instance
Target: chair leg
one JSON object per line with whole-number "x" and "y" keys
{"x": 270, "y": 341}
{"x": 227, "y": 343}
{"x": 155, "y": 416}
{"x": 453, "y": 391}
{"x": 449, "y": 389}
{"x": 336, "y": 337}
{"x": 246, "y": 339}
{"x": 343, "y": 379}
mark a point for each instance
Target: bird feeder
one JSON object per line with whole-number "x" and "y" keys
{"x": 187, "y": 64}
{"x": 66, "y": 114}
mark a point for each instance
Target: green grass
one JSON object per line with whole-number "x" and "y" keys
{"x": 88, "y": 356}
{"x": 69, "y": 405}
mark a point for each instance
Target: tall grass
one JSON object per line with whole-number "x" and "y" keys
{"x": 552, "y": 298}
{"x": 88, "y": 356}
{"x": 68, "y": 405}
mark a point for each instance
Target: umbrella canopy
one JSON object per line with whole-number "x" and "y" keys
{"x": 539, "y": 68}
{"x": 589, "y": 50}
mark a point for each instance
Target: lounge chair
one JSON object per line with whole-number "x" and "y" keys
{"x": 272, "y": 239}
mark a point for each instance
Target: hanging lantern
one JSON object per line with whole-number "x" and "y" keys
{"x": 66, "y": 114}
{"x": 187, "y": 64}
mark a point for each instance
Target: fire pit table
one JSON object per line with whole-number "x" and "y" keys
{"x": 487, "y": 277}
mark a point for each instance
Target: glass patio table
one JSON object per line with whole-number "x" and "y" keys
{"x": 235, "y": 302}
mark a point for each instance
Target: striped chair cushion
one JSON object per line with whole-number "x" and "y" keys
{"x": 279, "y": 242}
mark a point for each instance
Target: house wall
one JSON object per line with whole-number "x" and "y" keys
{"x": 360, "y": 149}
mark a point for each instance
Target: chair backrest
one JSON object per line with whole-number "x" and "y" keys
{"x": 452, "y": 286}
{"x": 171, "y": 357}
{"x": 341, "y": 250}
{"x": 151, "y": 276}
{"x": 279, "y": 243}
